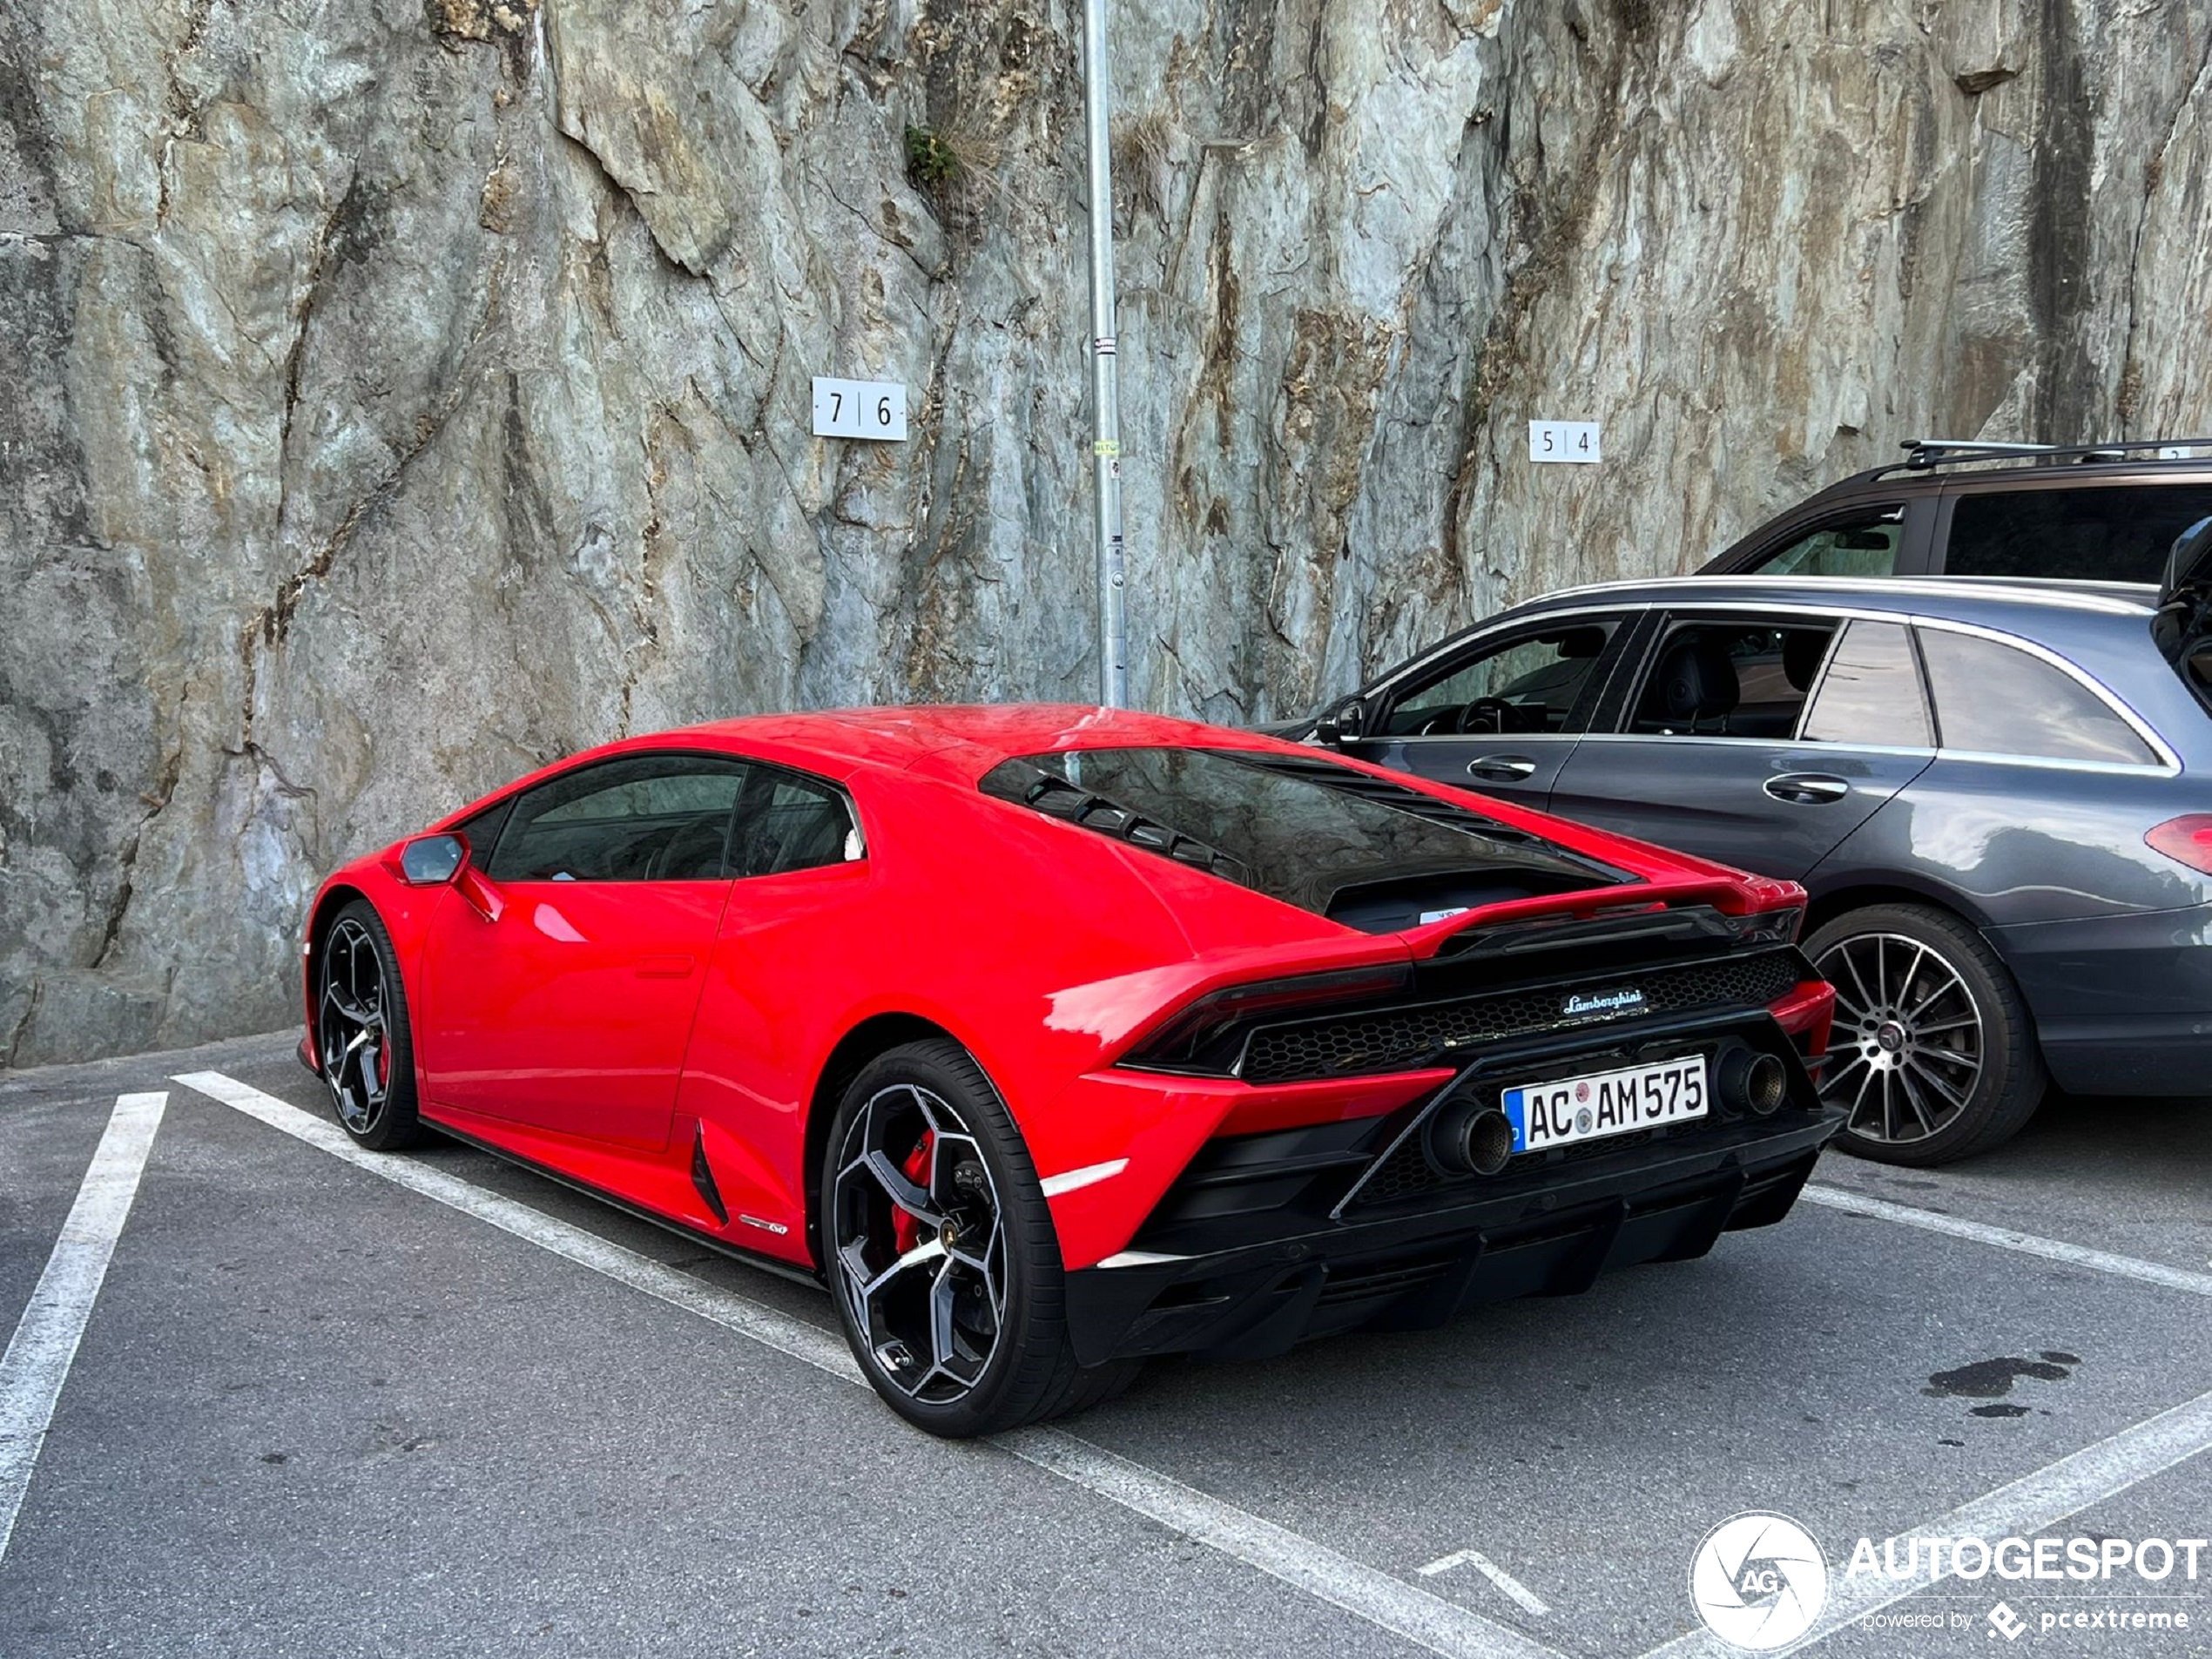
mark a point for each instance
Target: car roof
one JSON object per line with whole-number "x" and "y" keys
{"x": 959, "y": 742}
{"x": 2000, "y": 601}
{"x": 981, "y": 734}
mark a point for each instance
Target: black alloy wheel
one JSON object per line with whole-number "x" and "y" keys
{"x": 362, "y": 1035}
{"x": 921, "y": 1243}
{"x": 941, "y": 1254}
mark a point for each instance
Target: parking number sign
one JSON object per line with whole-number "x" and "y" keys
{"x": 1575, "y": 440}
{"x": 859, "y": 409}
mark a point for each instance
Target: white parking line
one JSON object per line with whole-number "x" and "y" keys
{"x": 1489, "y": 1569}
{"x": 1428, "y": 1621}
{"x": 2031, "y": 1504}
{"x": 44, "y": 1343}
{"x": 2172, "y": 1279}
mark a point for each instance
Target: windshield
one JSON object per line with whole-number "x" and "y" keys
{"x": 1371, "y": 853}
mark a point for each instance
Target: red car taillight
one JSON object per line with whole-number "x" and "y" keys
{"x": 2186, "y": 839}
{"x": 1194, "y": 1039}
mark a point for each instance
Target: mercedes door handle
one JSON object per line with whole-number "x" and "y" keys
{"x": 1806, "y": 788}
{"x": 1502, "y": 769}
{"x": 663, "y": 968}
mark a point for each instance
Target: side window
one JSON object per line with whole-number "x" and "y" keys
{"x": 2121, "y": 533}
{"x": 1731, "y": 679}
{"x": 1870, "y": 693}
{"x": 793, "y": 824}
{"x": 1992, "y": 698}
{"x": 645, "y": 818}
{"x": 483, "y": 831}
{"x": 1864, "y": 546}
{"x": 1532, "y": 684}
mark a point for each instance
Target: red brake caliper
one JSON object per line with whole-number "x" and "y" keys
{"x": 905, "y": 1230}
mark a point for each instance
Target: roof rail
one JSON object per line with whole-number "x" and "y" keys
{"x": 1921, "y": 454}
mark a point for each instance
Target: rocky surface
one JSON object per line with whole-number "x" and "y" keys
{"x": 399, "y": 394}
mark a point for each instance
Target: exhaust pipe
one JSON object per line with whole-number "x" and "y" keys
{"x": 1470, "y": 1139}
{"x": 1750, "y": 1079}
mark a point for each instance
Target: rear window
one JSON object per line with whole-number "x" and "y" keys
{"x": 1360, "y": 850}
{"x": 1992, "y": 698}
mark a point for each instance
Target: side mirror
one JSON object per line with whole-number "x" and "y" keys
{"x": 433, "y": 861}
{"x": 1341, "y": 723}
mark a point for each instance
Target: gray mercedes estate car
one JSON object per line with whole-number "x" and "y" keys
{"x": 1998, "y": 795}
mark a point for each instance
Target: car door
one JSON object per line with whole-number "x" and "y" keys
{"x": 561, "y": 976}
{"x": 1499, "y": 712}
{"x": 793, "y": 927}
{"x": 1759, "y": 738}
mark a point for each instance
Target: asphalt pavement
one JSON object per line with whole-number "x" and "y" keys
{"x": 329, "y": 1404}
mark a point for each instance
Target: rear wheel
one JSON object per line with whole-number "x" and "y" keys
{"x": 940, "y": 1250}
{"x": 362, "y": 1034}
{"x": 1933, "y": 1055}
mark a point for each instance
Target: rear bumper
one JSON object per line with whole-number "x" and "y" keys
{"x": 2152, "y": 1055}
{"x": 1553, "y": 1233}
{"x": 2123, "y": 1004}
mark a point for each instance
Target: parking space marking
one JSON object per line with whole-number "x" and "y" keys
{"x": 1380, "y": 1598}
{"x": 2023, "y": 1508}
{"x": 1442, "y": 1627}
{"x": 44, "y": 1343}
{"x": 1489, "y": 1569}
{"x": 821, "y": 1349}
{"x": 2172, "y": 1279}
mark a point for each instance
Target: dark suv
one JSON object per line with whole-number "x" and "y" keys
{"x": 2105, "y": 512}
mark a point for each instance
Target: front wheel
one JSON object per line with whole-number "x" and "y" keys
{"x": 941, "y": 1251}
{"x": 1933, "y": 1056}
{"x": 362, "y": 1035}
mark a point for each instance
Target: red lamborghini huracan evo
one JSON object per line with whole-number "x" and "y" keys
{"x": 1053, "y": 1038}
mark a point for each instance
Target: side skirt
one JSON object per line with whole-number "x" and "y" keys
{"x": 669, "y": 1223}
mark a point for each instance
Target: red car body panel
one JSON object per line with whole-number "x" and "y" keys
{"x": 602, "y": 1030}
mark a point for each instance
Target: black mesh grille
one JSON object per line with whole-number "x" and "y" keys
{"x": 1401, "y": 1039}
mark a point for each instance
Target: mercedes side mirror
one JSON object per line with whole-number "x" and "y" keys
{"x": 432, "y": 860}
{"x": 1340, "y": 723}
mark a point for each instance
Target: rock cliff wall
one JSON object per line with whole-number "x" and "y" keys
{"x": 394, "y": 395}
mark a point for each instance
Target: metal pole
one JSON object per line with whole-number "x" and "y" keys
{"x": 1105, "y": 387}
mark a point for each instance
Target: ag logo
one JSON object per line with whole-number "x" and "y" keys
{"x": 1759, "y": 1581}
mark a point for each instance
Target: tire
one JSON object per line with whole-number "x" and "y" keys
{"x": 362, "y": 1034}
{"x": 914, "y": 1276}
{"x": 1933, "y": 1056}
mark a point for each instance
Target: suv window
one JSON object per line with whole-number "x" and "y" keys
{"x": 1864, "y": 546}
{"x": 793, "y": 824}
{"x": 1531, "y": 684}
{"x": 1992, "y": 698}
{"x": 1731, "y": 679}
{"x": 2113, "y": 534}
{"x": 644, "y": 818}
{"x": 1870, "y": 693}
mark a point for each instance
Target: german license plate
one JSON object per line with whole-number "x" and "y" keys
{"x": 1606, "y": 1103}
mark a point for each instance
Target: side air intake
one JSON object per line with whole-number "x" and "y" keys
{"x": 703, "y": 1177}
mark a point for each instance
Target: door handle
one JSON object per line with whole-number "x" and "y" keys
{"x": 1502, "y": 769}
{"x": 1806, "y": 788}
{"x": 663, "y": 968}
